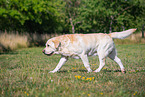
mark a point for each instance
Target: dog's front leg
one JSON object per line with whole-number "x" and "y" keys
{"x": 86, "y": 62}
{"x": 61, "y": 62}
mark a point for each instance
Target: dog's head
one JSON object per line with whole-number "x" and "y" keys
{"x": 52, "y": 46}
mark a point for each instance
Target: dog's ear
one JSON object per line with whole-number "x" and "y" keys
{"x": 57, "y": 44}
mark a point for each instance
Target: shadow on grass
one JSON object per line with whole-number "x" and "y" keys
{"x": 9, "y": 52}
{"x": 4, "y": 50}
{"x": 66, "y": 71}
{"x": 111, "y": 70}
{"x": 102, "y": 71}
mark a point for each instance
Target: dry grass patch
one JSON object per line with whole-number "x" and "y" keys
{"x": 12, "y": 41}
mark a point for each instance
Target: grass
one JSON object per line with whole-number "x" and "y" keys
{"x": 24, "y": 73}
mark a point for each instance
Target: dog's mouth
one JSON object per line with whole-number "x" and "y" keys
{"x": 49, "y": 53}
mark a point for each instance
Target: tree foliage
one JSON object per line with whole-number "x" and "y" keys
{"x": 28, "y": 15}
{"x": 71, "y": 16}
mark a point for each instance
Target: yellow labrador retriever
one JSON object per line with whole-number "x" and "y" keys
{"x": 84, "y": 45}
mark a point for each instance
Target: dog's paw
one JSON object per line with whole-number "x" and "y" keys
{"x": 123, "y": 71}
{"x": 89, "y": 71}
{"x": 96, "y": 71}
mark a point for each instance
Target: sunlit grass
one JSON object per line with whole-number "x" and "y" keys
{"x": 25, "y": 73}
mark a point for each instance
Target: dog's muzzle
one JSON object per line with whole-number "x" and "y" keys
{"x": 47, "y": 54}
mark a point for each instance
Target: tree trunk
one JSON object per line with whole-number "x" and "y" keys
{"x": 143, "y": 31}
{"x": 73, "y": 27}
{"x": 110, "y": 29}
{"x": 123, "y": 28}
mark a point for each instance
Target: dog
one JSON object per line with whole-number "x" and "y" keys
{"x": 84, "y": 45}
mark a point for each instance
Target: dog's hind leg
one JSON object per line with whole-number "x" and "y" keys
{"x": 102, "y": 57}
{"x": 86, "y": 62}
{"x": 102, "y": 63}
{"x": 113, "y": 56}
{"x": 61, "y": 62}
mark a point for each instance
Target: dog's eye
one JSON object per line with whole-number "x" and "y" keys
{"x": 48, "y": 45}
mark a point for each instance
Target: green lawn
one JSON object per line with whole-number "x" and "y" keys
{"x": 25, "y": 73}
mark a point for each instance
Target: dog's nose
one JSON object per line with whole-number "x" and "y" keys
{"x": 43, "y": 51}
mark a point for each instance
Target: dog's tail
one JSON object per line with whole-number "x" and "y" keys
{"x": 123, "y": 34}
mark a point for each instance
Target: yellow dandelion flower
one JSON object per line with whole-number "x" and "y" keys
{"x": 79, "y": 77}
{"x": 101, "y": 93}
{"x": 88, "y": 94}
{"x": 27, "y": 94}
{"x": 83, "y": 78}
{"x": 90, "y": 78}
{"x": 74, "y": 68}
{"x": 135, "y": 93}
{"x": 86, "y": 78}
